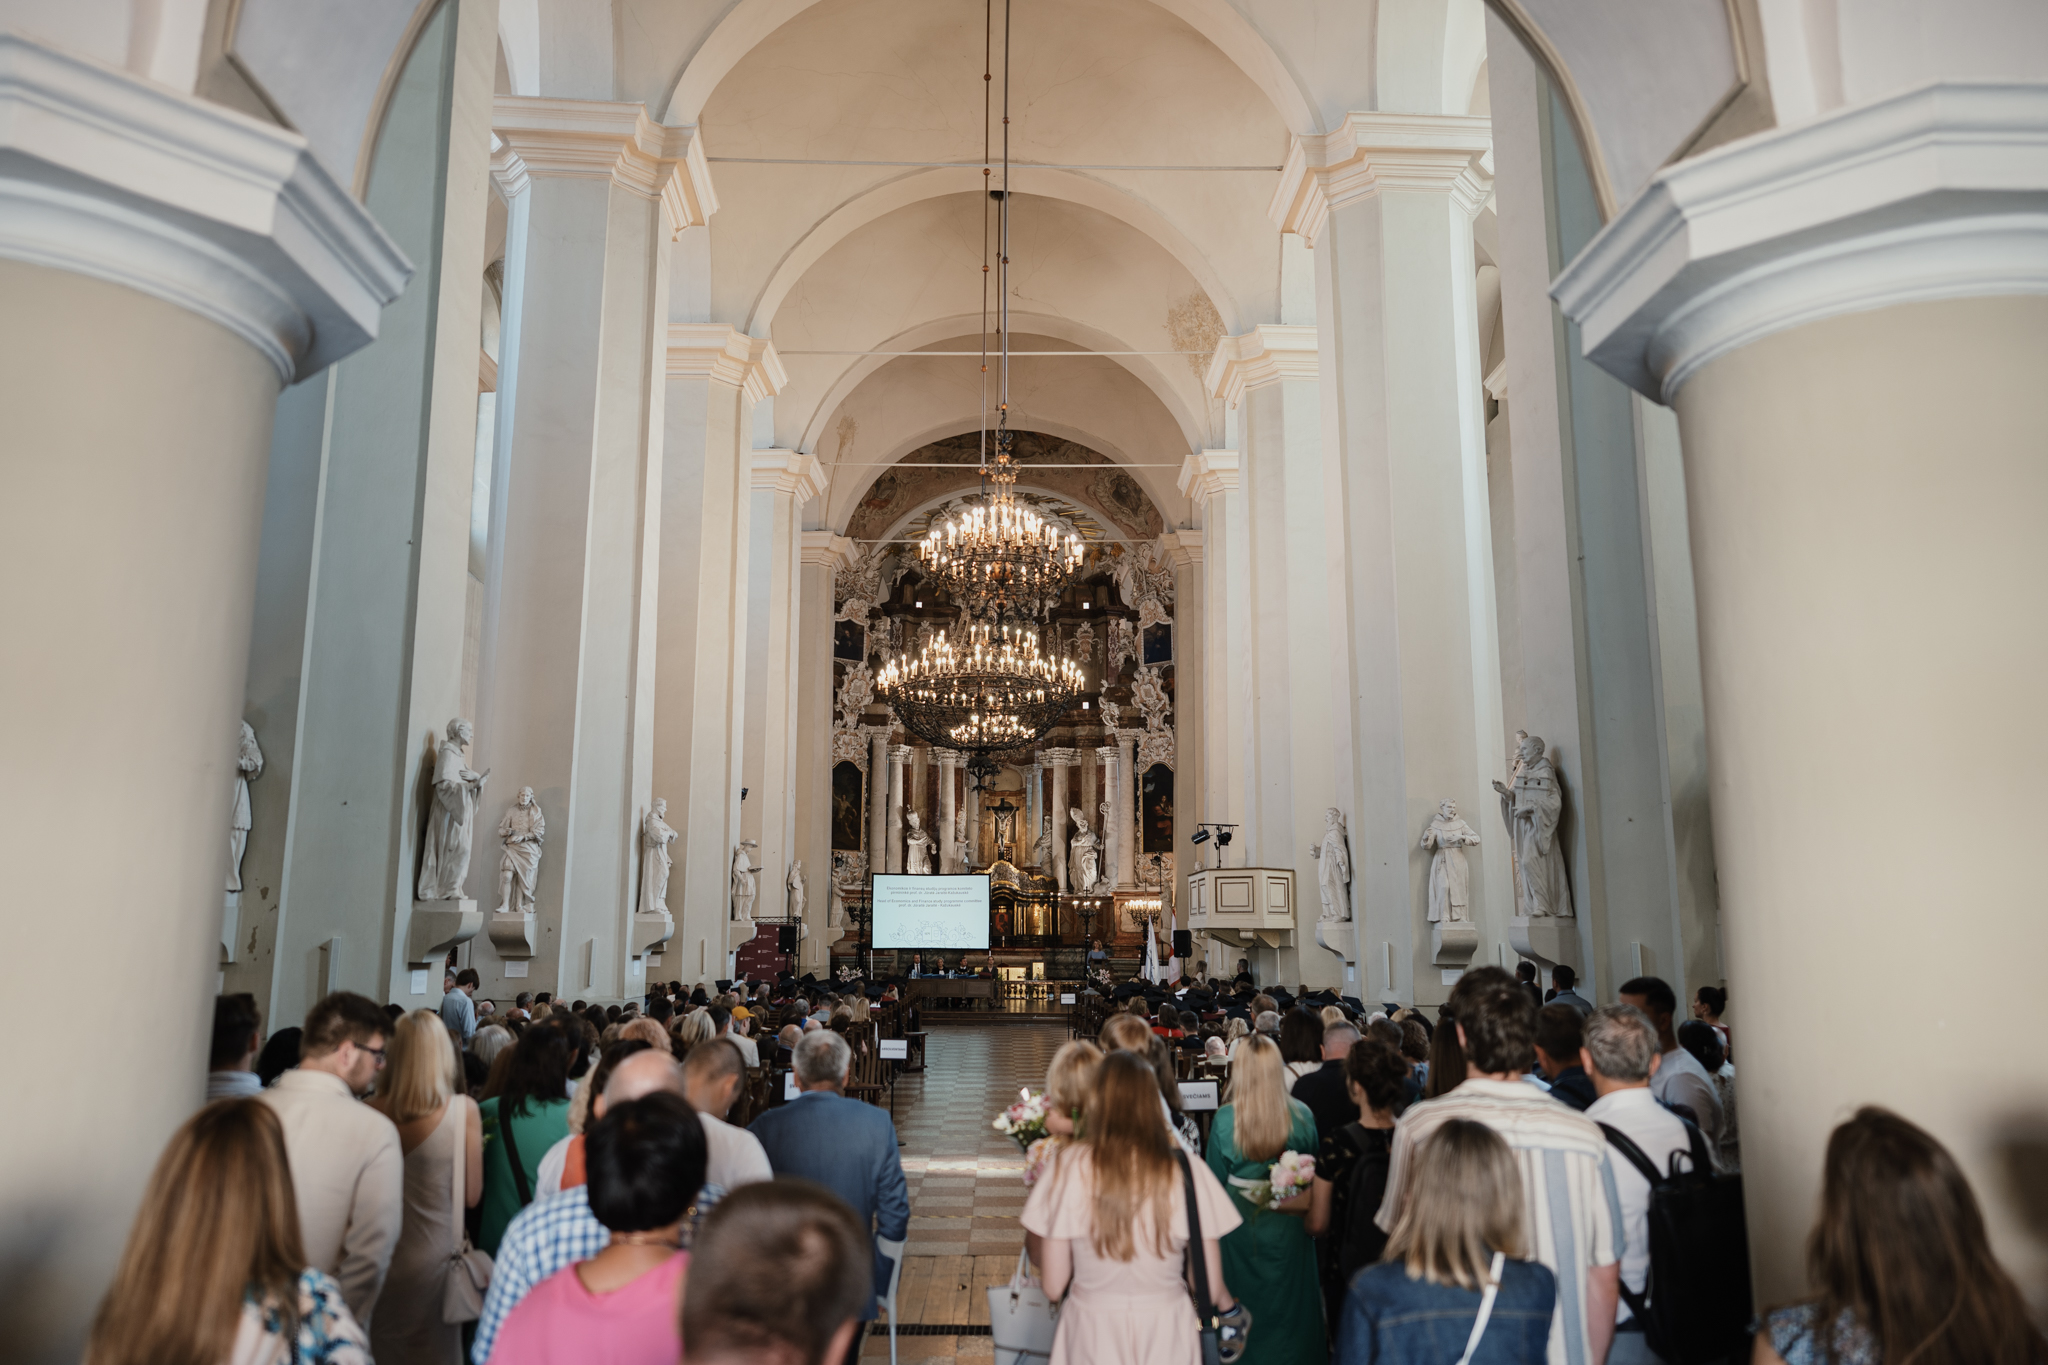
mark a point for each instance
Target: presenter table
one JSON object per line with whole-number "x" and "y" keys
{"x": 951, "y": 988}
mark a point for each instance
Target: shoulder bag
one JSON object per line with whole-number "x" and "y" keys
{"x": 469, "y": 1269}
{"x": 1198, "y": 1265}
{"x": 1485, "y": 1309}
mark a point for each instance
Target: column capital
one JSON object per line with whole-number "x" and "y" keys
{"x": 946, "y": 758}
{"x": 1206, "y": 474}
{"x": 879, "y": 734}
{"x": 1107, "y": 753}
{"x": 720, "y": 351}
{"x": 1126, "y": 740}
{"x": 829, "y": 551}
{"x": 1183, "y": 547}
{"x": 1371, "y": 153}
{"x": 1059, "y": 758}
{"x": 794, "y": 472}
{"x": 1931, "y": 194}
{"x": 1265, "y": 355}
{"x": 899, "y": 753}
{"x": 610, "y": 140}
{"x": 508, "y": 170}
{"x": 120, "y": 179}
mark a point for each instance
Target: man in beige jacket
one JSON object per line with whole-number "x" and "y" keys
{"x": 347, "y": 1169}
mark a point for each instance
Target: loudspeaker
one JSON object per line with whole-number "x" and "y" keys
{"x": 785, "y": 938}
{"x": 1183, "y": 944}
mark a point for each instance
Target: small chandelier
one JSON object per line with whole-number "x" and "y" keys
{"x": 997, "y": 556}
{"x": 991, "y": 692}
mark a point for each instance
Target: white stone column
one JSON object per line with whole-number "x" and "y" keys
{"x": 1387, "y": 202}
{"x": 1090, "y": 803}
{"x": 1034, "y": 807}
{"x": 878, "y": 796}
{"x": 1125, "y": 807}
{"x": 168, "y": 266}
{"x": 1114, "y": 840}
{"x": 949, "y": 845}
{"x": 970, "y": 848}
{"x": 1269, "y": 378}
{"x": 899, "y": 755}
{"x": 572, "y": 646}
{"x": 1184, "y": 552}
{"x": 1061, "y": 761}
{"x": 917, "y": 788}
{"x": 823, "y": 555}
{"x": 783, "y": 481}
{"x": 715, "y": 377}
{"x": 1871, "y": 577}
{"x": 1210, "y": 480}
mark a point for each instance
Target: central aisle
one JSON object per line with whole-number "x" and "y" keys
{"x": 966, "y": 1183}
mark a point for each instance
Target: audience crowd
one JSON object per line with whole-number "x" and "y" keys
{"x": 1519, "y": 1175}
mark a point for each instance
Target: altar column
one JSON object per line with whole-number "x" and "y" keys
{"x": 1106, "y": 826}
{"x": 949, "y": 845}
{"x": 1034, "y": 809}
{"x": 878, "y": 795}
{"x": 899, "y": 754}
{"x": 1060, "y": 760}
{"x": 1125, "y": 808}
{"x": 824, "y": 554}
{"x": 968, "y": 845}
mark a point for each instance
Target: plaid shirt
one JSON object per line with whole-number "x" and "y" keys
{"x": 548, "y": 1236}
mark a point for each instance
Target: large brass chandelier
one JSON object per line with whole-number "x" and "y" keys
{"x": 991, "y": 690}
{"x": 997, "y": 557}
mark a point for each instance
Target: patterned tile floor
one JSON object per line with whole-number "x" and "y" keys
{"x": 966, "y": 1181}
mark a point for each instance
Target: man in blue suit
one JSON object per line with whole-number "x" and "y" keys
{"x": 842, "y": 1144}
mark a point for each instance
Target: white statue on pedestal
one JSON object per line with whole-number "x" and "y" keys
{"x": 1450, "y": 878}
{"x": 1531, "y": 808}
{"x": 1041, "y": 852}
{"x": 522, "y": 829}
{"x": 451, "y": 818}
{"x": 743, "y": 891}
{"x": 917, "y": 848}
{"x": 655, "y": 837}
{"x": 797, "y": 889}
{"x": 1333, "y": 867}
{"x": 835, "y": 908}
{"x": 1083, "y": 860}
{"x": 248, "y": 764}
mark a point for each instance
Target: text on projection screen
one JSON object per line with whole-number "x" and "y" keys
{"x": 930, "y": 912}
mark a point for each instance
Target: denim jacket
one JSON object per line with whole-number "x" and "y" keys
{"x": 1390, "y": 1319}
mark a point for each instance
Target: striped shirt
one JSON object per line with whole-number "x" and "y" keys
{"x": 1573, "y": 1218}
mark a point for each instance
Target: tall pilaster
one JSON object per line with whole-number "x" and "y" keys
{"x": 1873, "y": 601}
{"x": 1061, "y": 761}
{"x": 1184, "y": 553}
{"x": 1210, "y": 478}
{"x": 572, "y": 636}
{"x": 949, "y": 841}
{"x": 168, "y": 267}
{"x": 1115, "y": 842}
{"x": 823, "y": 555}
{"x": 1124, "y": 807}
{"x": 1387, "y": 201}
{"x": 782, "y": 482}
{"x": 1269, "y": 377}
{"x": 899, "y": 755}
{"x": 878, "y": 795}
{"x": 715, "y": 376}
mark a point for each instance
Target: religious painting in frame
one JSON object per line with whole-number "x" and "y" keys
{"x": 1157, "y": 646}
{"x": 846, "y": 822}
{"x": 849, "y": 641}
{"x": 1155, "y": 816}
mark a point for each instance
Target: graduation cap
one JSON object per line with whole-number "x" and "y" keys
{"x": 723, "y": 986}
{"x": 1357, "y": 1005}
{"x": 808, "y": 979}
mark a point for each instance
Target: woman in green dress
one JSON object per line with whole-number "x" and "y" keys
{"x": 1269, "y": 1262}
{"x": 534, "y": 1100}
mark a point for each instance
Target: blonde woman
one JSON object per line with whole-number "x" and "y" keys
{"x": 1333, "y": 1015}
{"x": 215, "y": 1270}
{"x": 1067, "y": 1082}
{"x": 1457, "y": 1252}
{"x": 858, "y": 1006}
{"x": 1270, "y": 1261}
{"x": 1234, "y": 1033}
{"x": 693, "y": 1028}
{"x": 442, "y": 1135}
{"x": 1109, "y": 1227}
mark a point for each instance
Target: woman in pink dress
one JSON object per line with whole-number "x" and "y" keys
{"x": 1109, "y": 1225}
{"x": 644, "y": 1162}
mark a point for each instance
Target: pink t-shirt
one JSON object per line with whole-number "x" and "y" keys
{"x": 560, "y": 1322}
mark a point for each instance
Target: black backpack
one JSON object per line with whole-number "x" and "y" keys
{"x": 1360, "y": 1242}
{"x": 1695, "y": 1304}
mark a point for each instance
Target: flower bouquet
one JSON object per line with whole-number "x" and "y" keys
{"x": 1024, "y": 1121}
{"x": 1291, "y": 1173}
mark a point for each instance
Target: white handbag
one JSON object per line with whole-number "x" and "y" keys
{"x": 1022, "y": 1319}
{"x": 469, "y": 1270}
